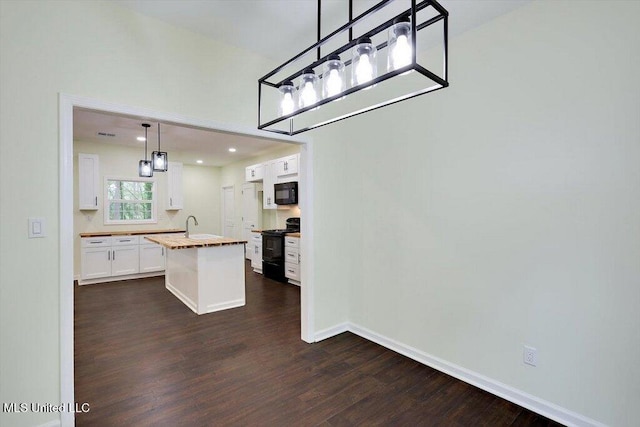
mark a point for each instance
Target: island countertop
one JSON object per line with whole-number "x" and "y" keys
{"x": 181, "y": 242}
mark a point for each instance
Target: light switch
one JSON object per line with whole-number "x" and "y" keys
{"x": 36, "y": 227}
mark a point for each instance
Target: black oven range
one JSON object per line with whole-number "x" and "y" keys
{"x": 273, "y": 250}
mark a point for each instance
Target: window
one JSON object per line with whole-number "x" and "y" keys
{"x": 130, "y": 201}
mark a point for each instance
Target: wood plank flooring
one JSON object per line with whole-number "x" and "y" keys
{"x": 142, "y": 358}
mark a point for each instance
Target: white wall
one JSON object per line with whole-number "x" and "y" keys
{"x": 504, "y": 210}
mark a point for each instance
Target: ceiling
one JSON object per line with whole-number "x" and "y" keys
{"x": 276, "y": 29}
{"x": 184, "y": 144}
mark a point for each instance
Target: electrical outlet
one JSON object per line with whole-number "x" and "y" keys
{"x": 530, "y": 355}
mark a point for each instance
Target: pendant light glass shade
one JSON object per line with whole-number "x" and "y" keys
{"x": 308, "y": 90}
{"x": 160, "y": 158}
{"x": 333, "y": 82}
{"x": 287, "y": 101}
{"x": 399, "y": 43}
{"x": 364, "y": 64}
{"x": 145, "y": 167}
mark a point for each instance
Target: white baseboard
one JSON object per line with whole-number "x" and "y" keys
{"x": 539, "y": 406}
{"x": 331, "y": 332}
{"x": 54, "y": 423}
{"x": 182, "y": 297}
{"x": 224, "y": 305}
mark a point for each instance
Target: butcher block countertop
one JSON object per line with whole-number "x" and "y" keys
{"x": 129, "y": 232}
{"x": 181, "y": 242}
{"x": 293, "y": 234}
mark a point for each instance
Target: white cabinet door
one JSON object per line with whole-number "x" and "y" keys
{"x": 254, "y": 173}
{"x": 125, "y": 260}
{"x": 95, "y": 262}
{"x": 88, "y": 177}
{"x": 175, "y": 196}
{"x": 268, "y": 195}
{"x": 152, "y": 258}
{"x": 251, "y": 213}
{"x": 286, "y": 166}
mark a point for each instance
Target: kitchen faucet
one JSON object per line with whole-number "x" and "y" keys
{"x": 186, "y": 225}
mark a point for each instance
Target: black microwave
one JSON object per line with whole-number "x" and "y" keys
{"x": 286, "y": 193}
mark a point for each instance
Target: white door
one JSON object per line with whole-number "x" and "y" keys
{"x": 228, "y": 211}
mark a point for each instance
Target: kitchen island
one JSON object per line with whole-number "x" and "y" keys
{"x": 204, "y": 271}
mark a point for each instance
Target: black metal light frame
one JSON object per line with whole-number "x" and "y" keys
{"x": 416, "y": 6}
{"x": 157, "y": 155}
{"x": 143, "y": 164}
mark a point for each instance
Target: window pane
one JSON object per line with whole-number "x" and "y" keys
{"x": 130, "y": 200}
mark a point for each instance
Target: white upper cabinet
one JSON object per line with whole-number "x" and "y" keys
{"x": 175, "y": 196}
{"x": 88, "y": 181}
{"x": 287, "y": 166}
{"x": 254, "y": 173}
{"x": 268, "y": 195}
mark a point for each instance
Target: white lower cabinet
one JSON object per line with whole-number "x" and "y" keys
{"x": 292, "y": 259}
{"x": 256, "y": 252}
{"x": 104, "y": 259}
{"x": 95, "y": 258}
{"x": 152, "y": 257}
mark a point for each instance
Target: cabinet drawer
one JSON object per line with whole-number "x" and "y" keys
{"x": 95, "y": 242}
{"x": 291, "y": 256}
{"x": 256, "y": 238}
{"x": 291, "y": 242}
{"x": 124, "y": 240}
{"x": 292, "y": 271}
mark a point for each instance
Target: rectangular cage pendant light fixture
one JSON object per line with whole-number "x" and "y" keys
{"x": 383, "y": 56}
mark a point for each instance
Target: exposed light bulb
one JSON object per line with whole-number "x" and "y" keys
{"x": 287, "y": 104}
{"x": 401, "y": 53}
{"x": 308, "y": 92}
{"x": 308, "y": 95}
{"x": 364, "y": 70}
{"x": 334, "y": 83}
{"x": 159, "y": 163}
{"x": 146, "y": 168}
{"x": 364, "y": 62}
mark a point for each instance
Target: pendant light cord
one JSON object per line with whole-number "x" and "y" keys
{"x": 145, "y": 144}
{"x": 158, "y": 136}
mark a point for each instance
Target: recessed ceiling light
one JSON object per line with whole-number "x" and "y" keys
{"x": 232, "y": 150}
{"x": 199, "y": 162}
{"x": 140, "y": 138}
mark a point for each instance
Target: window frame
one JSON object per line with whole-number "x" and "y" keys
{"x": 107, "y": 201}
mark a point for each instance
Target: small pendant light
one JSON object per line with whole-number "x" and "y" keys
{"x": 160, "y": 158}
{"x": 308, "y": 92}
{"x": 363, "y": 65}
{"x": 287, "y": 103}
{"x": 400, "y": 49}
{"x": 333, "y": 81}
{"x": 145, "y": 167}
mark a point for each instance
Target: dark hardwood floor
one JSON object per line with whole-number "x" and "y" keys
{"x": 142, "y": 358}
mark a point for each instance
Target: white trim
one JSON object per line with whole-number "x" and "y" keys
{"x": 54, "y": 423}
{"x": 66, "y": 103}
{"x": 539, "y": 406}
{"x": 224, "y": 306}
{"x": 182, "y": 297}
{"x": 331, "y": 332}
{"x": 307, "y": 324}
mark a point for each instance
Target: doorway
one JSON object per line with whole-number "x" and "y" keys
{"x": 66, "y": 236}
